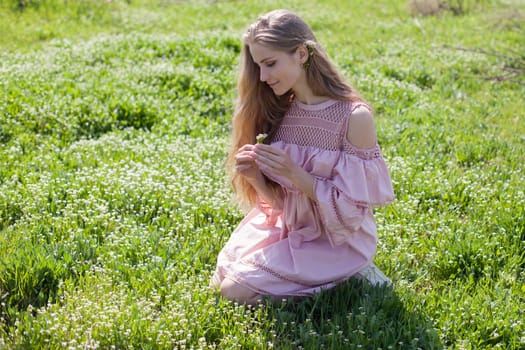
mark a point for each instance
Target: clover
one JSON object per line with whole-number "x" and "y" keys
{"x": 261, "y": 137}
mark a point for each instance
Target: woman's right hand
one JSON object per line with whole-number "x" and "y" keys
{"x": 245, "y": 162}
{"x": 245, "y": 165}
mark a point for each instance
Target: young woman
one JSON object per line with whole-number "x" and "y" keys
{"x": 312, "y": 184}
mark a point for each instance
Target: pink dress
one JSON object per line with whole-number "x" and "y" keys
{"x": 307, "y": 245}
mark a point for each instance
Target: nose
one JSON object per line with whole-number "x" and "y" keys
{"x": 263, "y": 76}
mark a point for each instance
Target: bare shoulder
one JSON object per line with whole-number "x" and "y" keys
{"x": 361, "y": 128}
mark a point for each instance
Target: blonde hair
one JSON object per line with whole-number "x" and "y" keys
{"x": 258, "y": 109}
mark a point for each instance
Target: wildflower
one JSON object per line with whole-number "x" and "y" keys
{"x": 310, "y": 45}
{"x": 261, "y": 137}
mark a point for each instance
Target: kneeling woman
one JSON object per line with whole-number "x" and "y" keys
{"x": 312, "y": 184}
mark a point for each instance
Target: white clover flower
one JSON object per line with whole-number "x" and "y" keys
{"x": 261, "y": 137}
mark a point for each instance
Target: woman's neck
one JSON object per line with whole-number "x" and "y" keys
{"x": 311, "y": 99}
{"x": 304, "y": 94}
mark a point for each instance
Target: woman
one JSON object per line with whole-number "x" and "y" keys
{"x": 312, "y": 184}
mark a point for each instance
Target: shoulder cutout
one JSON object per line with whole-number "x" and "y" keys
{"x": 361, "y": 130}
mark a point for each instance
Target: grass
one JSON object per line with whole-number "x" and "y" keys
{"x": 114, "y": 122}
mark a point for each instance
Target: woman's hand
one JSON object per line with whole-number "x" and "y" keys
{"x": 245, "y": 162}
{"x": 276, "y": 162}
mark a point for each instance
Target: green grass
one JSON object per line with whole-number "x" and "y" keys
{"x": 114, "y": 122}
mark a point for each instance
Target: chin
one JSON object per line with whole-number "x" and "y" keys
{"x": 280, "y": 92}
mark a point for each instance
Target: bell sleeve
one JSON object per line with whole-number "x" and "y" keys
{"x": 359, "y": 181}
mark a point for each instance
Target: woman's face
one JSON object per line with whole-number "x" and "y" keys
{"x": 282, "y": 71}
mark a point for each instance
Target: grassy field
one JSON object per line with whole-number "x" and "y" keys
{"x": 114, "y": 122}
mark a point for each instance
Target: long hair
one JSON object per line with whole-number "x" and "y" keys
{"x": 257, "y": 108}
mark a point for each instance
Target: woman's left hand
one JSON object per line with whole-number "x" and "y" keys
{"x": 274, "y": 161}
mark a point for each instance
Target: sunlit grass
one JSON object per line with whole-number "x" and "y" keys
{"x": 114, "y": 202}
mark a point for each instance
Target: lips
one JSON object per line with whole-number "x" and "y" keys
{"x": 272, "y": 85}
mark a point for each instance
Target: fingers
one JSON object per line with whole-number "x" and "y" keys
{"x": 247, "y": 147}
{"x": 270, "y": 155}
{"x": 243, "y": 166}
{"x": 266, "y": 149}
{"x": 263, "y": 157}
{"x": 245, "y": 158}
{"x": 267, "y": 152}
{"x": 245, "y": 153}
{"x": 273, "y": 160}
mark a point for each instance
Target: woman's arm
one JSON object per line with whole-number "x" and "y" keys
{"x": 265, "y": 192}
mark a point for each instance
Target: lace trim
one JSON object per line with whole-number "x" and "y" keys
{"x": 270, "y": 271}
{"x": 362, "y": 153}
{"x": 262, "y": 267}
{"x": 361, "y": 205}
{"x": 324, "y": 128}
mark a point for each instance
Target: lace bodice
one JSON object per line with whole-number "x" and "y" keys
{"x": 322, "y": 126}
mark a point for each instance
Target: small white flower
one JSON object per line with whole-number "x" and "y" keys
{"x": 261, "y": 137}
{"x": 310, "y": 45}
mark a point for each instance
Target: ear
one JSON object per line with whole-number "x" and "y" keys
{"x": 302, "y": 54}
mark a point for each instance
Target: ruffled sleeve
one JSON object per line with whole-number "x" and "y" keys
{"x": 359, "y": 181}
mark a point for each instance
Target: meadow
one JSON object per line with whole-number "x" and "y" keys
{"x": 114, "y": 126}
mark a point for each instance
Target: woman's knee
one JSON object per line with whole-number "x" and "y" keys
{"x": 236, "y": 292}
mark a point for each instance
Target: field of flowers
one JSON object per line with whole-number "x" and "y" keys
{"x": 114, "y": 122}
